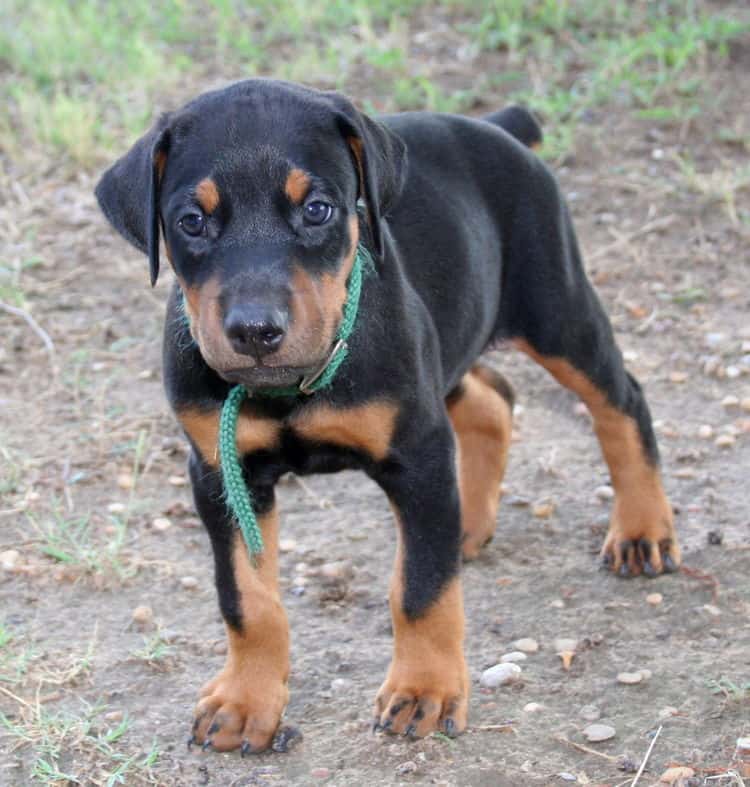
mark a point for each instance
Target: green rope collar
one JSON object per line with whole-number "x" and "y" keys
{"x": 237, "y": 495}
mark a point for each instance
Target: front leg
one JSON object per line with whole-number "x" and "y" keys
{"x": 427, "y": 685}
{"x": 242, "y": 706}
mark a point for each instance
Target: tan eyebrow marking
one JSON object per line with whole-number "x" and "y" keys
{"x": 297, "y": 185}
{"x": 208, "y": 195}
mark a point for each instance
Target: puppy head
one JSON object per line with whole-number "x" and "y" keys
{"x": 255, "y": 189}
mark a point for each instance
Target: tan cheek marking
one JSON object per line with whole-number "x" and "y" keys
{"x": 367, "y": 427}
{"x": 253, "y": 434}
{"x": 207, "y": 194}
{"x": 318, "y": 304}
{"x": 297, "y": 185}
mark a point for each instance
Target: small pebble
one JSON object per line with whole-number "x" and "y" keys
{"x": 341, "y": 684}
{"x": 8, "y": 559}
{"x": 161, "y": 523}
{"x": 177, "y": 480}
{"x": 590, "y": 713}
{"x": 629, "y": 678}
{"x": 678, "y": 377}
{"x": 567, "y": 777}
{"x": 667, "y": 713}
{"x": 526, "y": 645}
{"x": 142, "y": 615}
{"x": 320, "y": 773}
{"x": 733, "y": 372}
{"x": 338, "y": 570}
{"x": 714, "y": 537}
{"x": 287, "y": 545}
{"x": 745, "y": 404}
{"x": 646, "y": 674}
{"x": 406, "y": 767}
{"x": 125, "y": 481}
{"x": 705, "y": 432}
{"x": 116, "y": 508}
{"x": 596, "y": 733}
{"x": 557, "y": 603}
{"x": 189, "y": 582}
{"x": 725, "y": 441}
{"x": 730, "y": 402}
{"x": 532, "y": 707}
{"x": 220, "y": 648}
{"x": 500, "y": 675}
{"x": 604, "y": 492}
{"x": 714, "y": 339}
{"x": 114, "y": 716}
{"x": 513, "y": 658}
{"x": 654, "y": 599}
{"x": 543, "y": 510}
{"x": 712, "y": 610}
{"x": 563, "y": 644}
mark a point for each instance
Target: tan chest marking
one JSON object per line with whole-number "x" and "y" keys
{"x": 368, "y": 427}
{"x": 253, "y": 433}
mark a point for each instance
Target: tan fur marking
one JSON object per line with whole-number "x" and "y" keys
{"x": 297, "y": 185}
{"x": 160, "y": 162}
{"x": 355, "y": 143}
{"x": 207, "y": 194}
{"x": 428, "y": 661}
{"x": 246, "y": 699}
{"x": 318, "y": 303}
{"x": 367, "y": 427}
{"x": 641, "y": 508}
{"x": 482, "y": 422}
{"x": 253, "y": 433}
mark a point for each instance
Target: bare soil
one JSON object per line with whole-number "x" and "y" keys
{"x": 670, "y": 262}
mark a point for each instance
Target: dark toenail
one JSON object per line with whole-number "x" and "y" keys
{"x": 450, "y": 728}
{"x": 649, "y": 570}
{"x": 213, "y": 728}
{"x": 190, "y": 742}
{"x": 669, "y": 564}
{"x": 207, "y": 744}
{"x": 410, "y": 731}
{"x": 245, "y": 749}
{"x": 624, "y": 570}
{"x": 286, "y": 738}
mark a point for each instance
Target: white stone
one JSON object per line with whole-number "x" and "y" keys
{"x": 8, "y": 559}
{"x": 532, "y": 707}
{"x": 513, "y": 657}
{"x": 595, "y": 733}
{"x": 526, "y": 644}
{"x": 630, "y": 678}
{"x": 500, "y": 675}
{"x": 565, "y": 644}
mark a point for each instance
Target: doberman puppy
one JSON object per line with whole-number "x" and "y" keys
{"x": 263, "y": 192}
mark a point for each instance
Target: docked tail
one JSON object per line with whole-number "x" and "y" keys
{"x": 519, "y": 123}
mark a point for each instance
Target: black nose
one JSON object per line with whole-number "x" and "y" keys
{"x": 255, "y": 330}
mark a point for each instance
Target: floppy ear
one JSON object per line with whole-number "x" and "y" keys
{"x": 128, "y": 193}
{"x": 380, "y": 157}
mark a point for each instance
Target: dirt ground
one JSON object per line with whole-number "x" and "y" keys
{"x": 94, "y": 465}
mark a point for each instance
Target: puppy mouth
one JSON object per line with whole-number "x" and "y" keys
{"x": 261, "y": 376}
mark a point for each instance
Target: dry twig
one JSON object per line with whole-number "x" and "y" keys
{"x": 645, "y": 759}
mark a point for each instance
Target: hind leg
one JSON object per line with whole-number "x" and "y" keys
{"x": 480, "y": 411}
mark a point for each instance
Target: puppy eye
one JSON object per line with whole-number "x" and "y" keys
{"x": 192, "y": 224}
{"x": 318, "y": 212}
